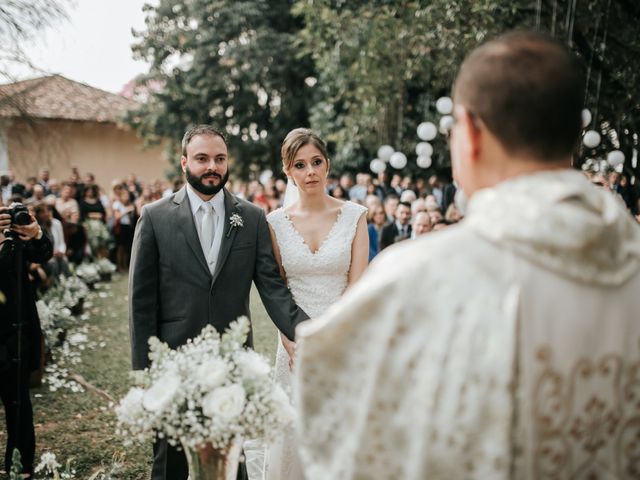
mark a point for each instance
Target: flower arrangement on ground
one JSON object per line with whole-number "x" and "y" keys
{"x": 210, "y": 391}
{"x": 88, "y": 273}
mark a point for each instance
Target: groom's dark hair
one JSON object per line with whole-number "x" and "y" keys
{"x": 202, "y": 129}
{"x": 527, "y": 88}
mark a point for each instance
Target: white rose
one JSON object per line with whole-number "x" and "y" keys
{"x": 161, "y": 392}
{"x": 212, "y": 373}
{"x": 225, "y": 402}
{"x": 252, "y": 364}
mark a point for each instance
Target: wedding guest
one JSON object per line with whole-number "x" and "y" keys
{"x": 505, "y": 347}
{"x": 125, "y": 216}
{"x": 372, "y": 201}
{"x": 400, "y": 229}
{"x": 75, "y": 238}
{"x": 420, "y": 224}
{"x": 390, "y": 206}
{"x": 452, "y": 215}
{"x": 376, "y": 220}
{"x": 43, "y": 180}
{"x": 339, "y": 193}
{"x": 67, "y": 199}
{"x": 91, "y": 207}
{"x": 57, "y": 264}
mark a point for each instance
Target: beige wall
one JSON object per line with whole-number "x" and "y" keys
{"x": 104, "y": 149}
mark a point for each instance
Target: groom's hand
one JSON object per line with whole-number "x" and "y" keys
{"x": 290, "y": 347}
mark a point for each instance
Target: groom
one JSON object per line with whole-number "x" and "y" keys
{"x": 194, "y": 257}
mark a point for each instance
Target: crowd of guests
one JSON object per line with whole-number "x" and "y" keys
{"x": 83, "y": 220}
{"x": 399, "y": 208}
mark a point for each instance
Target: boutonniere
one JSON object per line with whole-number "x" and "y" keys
{"x": 236, "y": 221}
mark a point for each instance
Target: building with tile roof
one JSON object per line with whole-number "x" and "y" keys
{"x": 59, "y": 123}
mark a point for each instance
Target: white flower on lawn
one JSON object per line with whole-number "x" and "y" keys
{"x": 252, "y": 364}
{"x": 212, "y": 373}
{"x": 78, "y": 338}
{"x": 48, "y": 463}
{"x": 159, "y": 396}
{"x": 225, "y": 402}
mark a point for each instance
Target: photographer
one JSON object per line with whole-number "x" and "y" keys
{"x": 22, "y": 241}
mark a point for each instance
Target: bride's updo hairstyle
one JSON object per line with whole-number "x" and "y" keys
{"x": 294, "y": 141}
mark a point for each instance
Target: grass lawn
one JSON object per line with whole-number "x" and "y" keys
{"x": 80, "y": 426}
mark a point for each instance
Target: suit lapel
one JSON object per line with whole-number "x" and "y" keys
{"x": 187, "y": 226}
{"x": 231, "y": 207}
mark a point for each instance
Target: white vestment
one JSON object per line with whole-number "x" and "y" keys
{"x": 507, "y": 346}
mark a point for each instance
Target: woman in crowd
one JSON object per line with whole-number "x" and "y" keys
{"x": 125, "y": 216}
{"x": 91, "y": 207}
{"x": 376, "y": 219}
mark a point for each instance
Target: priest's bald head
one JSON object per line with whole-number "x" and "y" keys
{"x": 517, "y": 109}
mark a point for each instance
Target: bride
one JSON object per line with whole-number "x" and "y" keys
{"x": 322, "y": 246}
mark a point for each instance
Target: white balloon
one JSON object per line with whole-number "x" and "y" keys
{"x": 427, "y": 131}
{"x": 385, "y": 152}
{"x": 398, "y": 160}
{"x": 446, "y": 123}
{"x": 586, "y": 118}
{"x": 444, "y": 105}
{"x": 591, "y": 139}
{"x": 377, "y": 165}
{"x": 615, "y": 158}
{"x": 424, "y": 161}
{"x": 265, "y": 176}
{"x": 424, "y": 149}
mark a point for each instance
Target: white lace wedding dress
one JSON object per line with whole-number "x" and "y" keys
{"x": 316, "y": 280}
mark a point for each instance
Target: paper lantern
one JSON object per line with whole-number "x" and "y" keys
{"x": 427, "y": 131}
{"x": 398, "y": 160}
{"x": 586, "y": 118}
{"x": 424, "y": 161}
{"x": 615, "y": 158}
{"x": 385, "y": 152}
{"x": 444, "y": 105}
{"x": 377, "y": 165}
{"x": 446, "y": 123}
{"x": 591, "y": 139}
{"x": 424, "y": 149}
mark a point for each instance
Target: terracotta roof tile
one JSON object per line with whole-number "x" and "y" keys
{"x": 58, "y": 97}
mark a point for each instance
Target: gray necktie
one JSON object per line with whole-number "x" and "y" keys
{"x": 207, "y": 228}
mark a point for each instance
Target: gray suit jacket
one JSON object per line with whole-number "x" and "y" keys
{"x": 172, "y": 294}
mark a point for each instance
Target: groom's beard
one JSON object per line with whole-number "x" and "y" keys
{"x": 196, "y": 182}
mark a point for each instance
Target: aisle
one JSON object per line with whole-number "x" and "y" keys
{"x": 80, "y": 425}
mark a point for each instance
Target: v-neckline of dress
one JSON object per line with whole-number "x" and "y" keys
{"x": 326, "y": 238}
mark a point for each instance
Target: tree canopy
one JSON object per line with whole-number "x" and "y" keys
{"x": 362, "y": 73}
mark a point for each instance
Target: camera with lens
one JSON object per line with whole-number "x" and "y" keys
{"x": 19, "y": 214}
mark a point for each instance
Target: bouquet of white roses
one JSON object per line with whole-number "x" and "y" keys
{"x": 211, "y": 390}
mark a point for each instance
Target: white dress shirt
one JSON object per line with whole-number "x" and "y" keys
{"x": 219, "y": 214}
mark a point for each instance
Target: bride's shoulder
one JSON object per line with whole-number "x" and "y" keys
{"x": 275, "y": 215}
{"x": 354, "y": 208}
